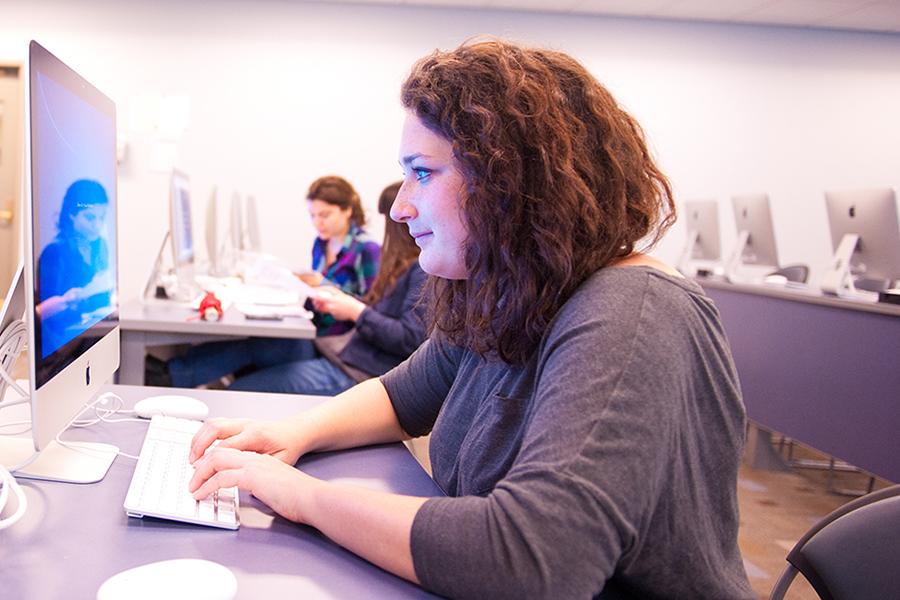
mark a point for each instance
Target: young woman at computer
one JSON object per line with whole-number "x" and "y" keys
{"x": 344, "y": 259}
{"x": 585, "y": 416}
{"x": 389, "y": 324}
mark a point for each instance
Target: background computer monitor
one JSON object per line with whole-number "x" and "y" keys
{"x": 236, "y": 225}
{"x": 865, "y": 236}
{"x": 71, "y": 295}
{"x": 252, "y": 240}
{"x": 212, "y": 234}
{"x": 756, "y": 234}
{"x": 180, "y": 221}
{"x": 701, "y": 218}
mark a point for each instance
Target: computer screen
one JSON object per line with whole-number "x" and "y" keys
{"x": 71, "y": 281}
{"x": 702, "y": 217}
{"x": 236, "y": 226}
{"x": 865, "y": 236}
{"x": 252, "y": 240}
{"x": 213, "y": 252}
{"x": 753, "y": 221}
{"x": 181, "y": 221}
{"x": 702, "y": 244}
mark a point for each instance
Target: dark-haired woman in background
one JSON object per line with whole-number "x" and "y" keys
{"x": 388, "y": 325}
{"x": 343, "y": 255}
{"x": 585, "y": 414}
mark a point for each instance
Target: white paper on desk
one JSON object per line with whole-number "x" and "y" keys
{"x": 272, "y": 273}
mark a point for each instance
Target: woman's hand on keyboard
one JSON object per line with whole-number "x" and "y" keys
{"x": 265, "y": 437}
{"x": 274, "y": 482}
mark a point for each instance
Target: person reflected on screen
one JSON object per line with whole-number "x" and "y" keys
{"x": 74, "y": 277}
{"x": 585, "y": 415}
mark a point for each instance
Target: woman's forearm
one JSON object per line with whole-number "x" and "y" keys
{"x": 360, "y": 416}
{"x": 375, "y": 525}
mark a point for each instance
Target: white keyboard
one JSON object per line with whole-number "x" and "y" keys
{"x": 159, "y": 486}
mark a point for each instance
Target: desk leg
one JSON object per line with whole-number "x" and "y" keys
{"x": 759, "y": 453}
{"x": 131, "y": 362}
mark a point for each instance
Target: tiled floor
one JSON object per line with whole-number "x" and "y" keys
{"x": 777, "y": 508}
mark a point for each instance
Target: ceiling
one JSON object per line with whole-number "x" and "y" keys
{"x": 863, "y": 15}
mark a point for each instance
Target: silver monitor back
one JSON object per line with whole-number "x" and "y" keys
{"x": 865, "y": 222}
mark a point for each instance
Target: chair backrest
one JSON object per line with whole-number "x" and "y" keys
{"x": 795, "y": 273}
{"x": 853, "y": 553}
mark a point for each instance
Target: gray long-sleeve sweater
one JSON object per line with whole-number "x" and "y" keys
{"x": 605, "y": 467}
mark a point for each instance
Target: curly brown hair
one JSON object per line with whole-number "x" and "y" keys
{"x": 398, "y": 252}
{"x": 560, "y": 183}
{"x": 339, "y": 192}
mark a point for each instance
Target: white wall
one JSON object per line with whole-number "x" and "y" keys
{"x": 282, "y": 92}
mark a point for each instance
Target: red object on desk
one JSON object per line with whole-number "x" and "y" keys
{"x": 211, "y": 308}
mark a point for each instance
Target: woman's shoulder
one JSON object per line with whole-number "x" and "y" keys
{"x": 622, "y": 296}
{"x": 53, "y": 250}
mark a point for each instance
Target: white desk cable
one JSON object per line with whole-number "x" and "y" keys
{"x": 7, "y": 482}
{"x": 12, "y": 341}
{"x": 102, "y": 414}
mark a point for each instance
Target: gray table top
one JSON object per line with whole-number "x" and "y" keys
{"x": 801, "y": 293}
{"x": 74, "y": 537}
{"x": 166, "y": 316}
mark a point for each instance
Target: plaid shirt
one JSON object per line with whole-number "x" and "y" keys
{"x": 353, "y": 271}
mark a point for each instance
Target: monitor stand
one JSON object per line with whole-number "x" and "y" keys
{"x": 76, "y": 462}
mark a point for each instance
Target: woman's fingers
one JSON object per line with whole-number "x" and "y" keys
{"x": 212, "y": 430}
{"x": 219, "y": 468}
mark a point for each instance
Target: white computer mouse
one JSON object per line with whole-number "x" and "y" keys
{"x": 171, "y": 405}
{"x": 775, "y": 279}
{"x": 192, "y": 578}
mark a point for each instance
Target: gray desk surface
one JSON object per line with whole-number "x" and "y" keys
{"x": 821, "y": 370}
{"x": 74, "y": 537}
{"x": 160, "y": 323}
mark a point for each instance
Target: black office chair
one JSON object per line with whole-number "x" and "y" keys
{"x": 794, "y": 273}
{"x": 852, "y": 553}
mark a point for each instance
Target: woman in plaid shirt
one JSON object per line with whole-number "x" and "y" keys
{"x": 343, "y": 254}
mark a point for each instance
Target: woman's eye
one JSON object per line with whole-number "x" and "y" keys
{"x": 421, "y": 174}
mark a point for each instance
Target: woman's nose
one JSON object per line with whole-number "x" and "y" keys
{"x": 402, "y": 210}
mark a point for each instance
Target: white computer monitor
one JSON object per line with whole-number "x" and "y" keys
{"x": 865, "y": 236}
{"x": 213, "y": 252}
{"x": 251, "y": 236}
{"x": 702, "y": 244}
{"x": 70, "y": 270}
{"x": 236, "y": 225}
{"x": 756, "y": 234}
{"x": 180, "y": 220}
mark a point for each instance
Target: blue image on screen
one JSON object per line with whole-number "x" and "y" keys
{"x": 74, "y": 215}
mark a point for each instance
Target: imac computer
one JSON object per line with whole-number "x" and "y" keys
{"x": 865, "y": 236}
{"x": 702, "y": 244}
{"x": 179, "y": 283}
{"x": 70, "y": 286}
{"x": 756, "y": 235}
